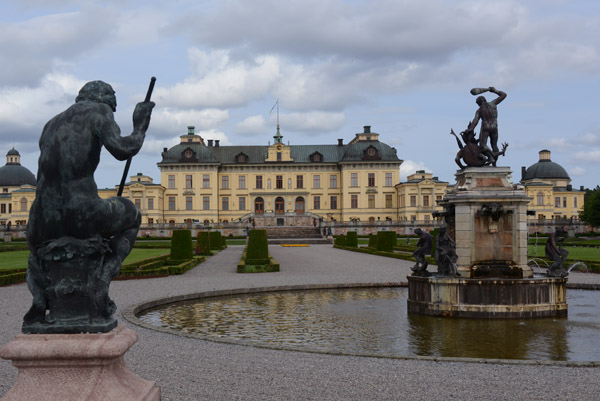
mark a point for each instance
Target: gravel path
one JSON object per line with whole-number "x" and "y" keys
{"x": 192, "y": 369}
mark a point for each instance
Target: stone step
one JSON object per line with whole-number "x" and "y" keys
{"x": 309, "y": 241}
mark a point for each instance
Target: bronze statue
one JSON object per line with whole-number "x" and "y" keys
{"x": 476, "y": 152}
{"x": 425, "y": 245}
{"x": 556, "y": 253}
{"x": 77, "y": 240}
{"x": 445, "y": 254}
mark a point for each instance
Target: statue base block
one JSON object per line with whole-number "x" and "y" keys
{"x": 76, "y": 367}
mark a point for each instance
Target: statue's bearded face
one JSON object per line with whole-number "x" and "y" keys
{"x": 100, "y": 92}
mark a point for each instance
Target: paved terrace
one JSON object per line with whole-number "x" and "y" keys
{"x": 193, "y": 369}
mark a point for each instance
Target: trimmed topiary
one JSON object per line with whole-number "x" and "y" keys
{"x": 339, "y": 240}
{"x": 386, "y": 240}
{"x": 258, "y": 248}
{"x": 352, "y": 239}
{"x": 203, "y": 243}
{"x": 372, "y": 241}
{"x": 181, "y": 245}
{"x": 215, "y": 240}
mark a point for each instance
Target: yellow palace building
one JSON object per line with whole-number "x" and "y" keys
{"x": 210, "y": 183}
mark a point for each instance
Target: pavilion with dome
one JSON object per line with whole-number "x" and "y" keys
{"x": 550, "y": 187}
{"x": 17, "y": 190}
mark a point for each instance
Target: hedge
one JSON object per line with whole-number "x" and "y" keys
{"x": 203, "y": 243}
{"x": 216, "y": 240}
{"x": 339, "y": 240}
{"x": 352, "y": 239}
{"x": 181, "y": 245}
{"x": 372, "y": 241}
{"x": 243, "y": 267}
{"x": 386, "y": 240}
{"x": 258, "y": 248}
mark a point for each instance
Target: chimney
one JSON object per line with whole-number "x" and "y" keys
{"x": 569, "y": 187}
{"x": 340, "y": 142}
{"x": 216, "y": 143}
{"x": 367, "y": 129}
{"x": 523, "y": 171}
{"x": 581, "y": 188}
{"x": 165, "y": 150}
{"x": 210, "y": 142}
{"x": 191, "y": 129}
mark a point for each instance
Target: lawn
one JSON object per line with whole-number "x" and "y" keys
{"x": 575, "y": 253}
{"x": 18, "y": 259}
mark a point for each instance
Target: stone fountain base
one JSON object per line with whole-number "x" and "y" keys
{"x": 487, "y": 298}
{"x": 76, "y": 367}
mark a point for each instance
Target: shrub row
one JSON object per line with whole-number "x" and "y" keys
{"x": 243, "y": 267}
{"x": 12, "y": 278}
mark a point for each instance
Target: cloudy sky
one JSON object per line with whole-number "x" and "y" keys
{"x": 403, "y": 67}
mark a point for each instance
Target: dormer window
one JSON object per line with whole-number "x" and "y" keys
{"x": 371, "y": 153}
{"x": 241, "y": 158}
{"x": 316, "y": 157}
{"x": 188, "y": 155}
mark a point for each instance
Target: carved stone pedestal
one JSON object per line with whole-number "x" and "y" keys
{"x": 76, "y": 367}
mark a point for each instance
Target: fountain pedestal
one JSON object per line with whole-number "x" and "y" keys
{"x": 486, "y": 215}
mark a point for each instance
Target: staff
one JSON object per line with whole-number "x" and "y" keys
{"x": 128, "y": 164}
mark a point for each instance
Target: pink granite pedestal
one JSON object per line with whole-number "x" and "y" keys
{"x": 76, "y": 367}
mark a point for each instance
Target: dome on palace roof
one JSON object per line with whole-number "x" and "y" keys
{"x": 545, "y": 169}
{"x": 13, "y": 174}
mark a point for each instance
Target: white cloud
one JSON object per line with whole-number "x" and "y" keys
{"x": 219, "y": 81}
{"x": 253, "y": 125}
{"x": 316, "y": 121}
{"x": 587, "y": 156}
{"x": 577, "y": 171}
{"x": 409, "y": 167}
{"x": 24, "y": 110}
{"x": 171, "y": 121}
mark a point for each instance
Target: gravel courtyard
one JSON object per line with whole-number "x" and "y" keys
{"x": 192, "y": 369}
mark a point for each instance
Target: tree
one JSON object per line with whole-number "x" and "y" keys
{"x": 591, "y": 208}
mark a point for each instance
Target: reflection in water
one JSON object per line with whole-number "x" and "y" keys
{"x": 375, "y": 321}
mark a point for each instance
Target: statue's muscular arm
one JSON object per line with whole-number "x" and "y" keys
{"x": 121, "y": 147}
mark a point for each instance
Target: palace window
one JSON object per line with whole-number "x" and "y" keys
{"x": 171, "y": 181}
{"x": 354, "y": 201}
{"x": 316, "y": 181}
{"x": 188, "y": 181}
{"x": 564, "y": 201}
{"x": 206, "y": 181}
{"x": 299, "y": 181}
{"x": 150, "y": 203}
{"x": 317, "y": 202}
{"x": 242, "y": 182}
{"x": 23, "y": 204}
{"x": 242, "y": 202}
{"x": 279, "y": 181}
{"x": 388, "y": 200}
{"x": 388, "y": 179}
{"x": 353, "y": 179}
{"x": 138, "y": 203}
{"x": 206, "y": 202}
{"x": 371, "y": 202}
{"x": 425, "y": 200}
{"x": 575, "y": 202}
{"x": 259, "y": 182}
{"x": 413, "y": 200}
{"x": 333, "y": 201}
{"x": 171, "y": 203}
{"x": 279, "y": 156}
{"x": 540, "y": 199}
{"x": 333, "y": 181}
{"x": 225, "y": 203}
{"x": 557, "y": 201}
{"x": 3, "y": 208}
{"x": 188, "y": 203}
{"x": 225, "y": 182}
{"x": 371, "y": 180}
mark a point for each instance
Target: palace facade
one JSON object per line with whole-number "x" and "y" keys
{"x": 204, "y": 182}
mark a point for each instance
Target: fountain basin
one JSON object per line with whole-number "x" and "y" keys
{"x": 487, "y": 298}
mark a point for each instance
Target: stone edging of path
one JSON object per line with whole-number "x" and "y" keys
{"x": 131, "y": 311}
